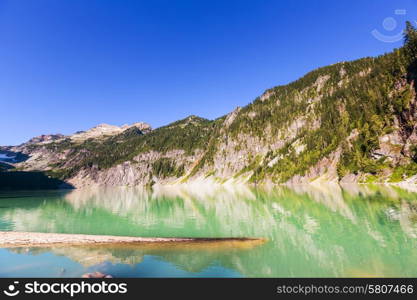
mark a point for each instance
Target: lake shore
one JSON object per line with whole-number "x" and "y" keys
{"x": 10, "y": 239}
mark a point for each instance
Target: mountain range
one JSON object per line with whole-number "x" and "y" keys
{"x": 348, "y": 122}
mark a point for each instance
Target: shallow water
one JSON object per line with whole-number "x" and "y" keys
{"x": 311, "y": 231}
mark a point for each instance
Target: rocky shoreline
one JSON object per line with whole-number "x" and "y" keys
{"x": 10, "y": 239}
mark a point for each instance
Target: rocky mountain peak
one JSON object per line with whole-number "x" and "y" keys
{"x": 45, "y": 138}
{"x": 105, "y": 130}
{"x": 142, "y": 126}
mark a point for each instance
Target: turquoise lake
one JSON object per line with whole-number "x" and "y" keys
{"x": 310, "y": 231}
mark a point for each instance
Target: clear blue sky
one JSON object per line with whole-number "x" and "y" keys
{"x": 68, "y": 65}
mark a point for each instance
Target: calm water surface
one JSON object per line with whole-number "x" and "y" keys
{"x": 325, "y": 231}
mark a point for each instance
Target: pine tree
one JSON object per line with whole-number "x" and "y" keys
{"x": 410, "y": 39}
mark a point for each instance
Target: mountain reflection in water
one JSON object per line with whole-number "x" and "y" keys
{"x": 311, "y": 231}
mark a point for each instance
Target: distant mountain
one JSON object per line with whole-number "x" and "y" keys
{"x": 105, "y": 130}
{"x": 349, "y": 122}
{"x": 46, "y": 138}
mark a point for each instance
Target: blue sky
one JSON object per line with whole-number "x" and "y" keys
{"x": 68, "y": 65}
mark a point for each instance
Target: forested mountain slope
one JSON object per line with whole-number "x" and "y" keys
{"x": 351, "y": 122}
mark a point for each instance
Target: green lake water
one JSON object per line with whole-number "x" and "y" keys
{"x": 310, "y": 231}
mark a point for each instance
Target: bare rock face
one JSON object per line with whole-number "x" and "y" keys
{"x": 324, "y": 170}
{"x": 136, "y": 173}
{"x": 46, "y": 138}
{"x": 351, "y": 178}
{"x": 231, "y": 117}
{"x": 266, "y": 95}
{"x": 106, "y": 130}
{"x": 144, "y": 127}
{"x": 390, "y": 146}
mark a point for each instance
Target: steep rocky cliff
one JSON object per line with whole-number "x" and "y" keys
{"x": 351, "y": 122}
